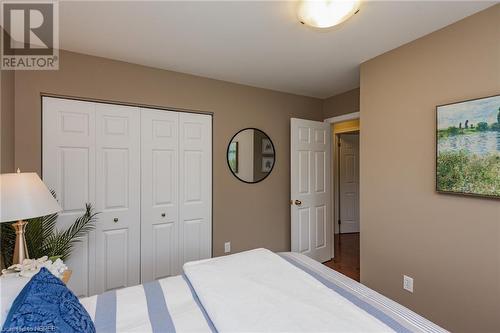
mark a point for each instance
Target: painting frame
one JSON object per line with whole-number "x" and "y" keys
{"x": 436, "y": 145}
{"x": 267, "y": 147}
{"x": 264, "y": 163}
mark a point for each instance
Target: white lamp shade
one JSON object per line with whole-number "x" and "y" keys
{"x": 25, "y": 196}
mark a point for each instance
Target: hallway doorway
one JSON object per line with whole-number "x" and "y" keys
{"x": 345, "y": 175}
{"x": 348, "y": 183}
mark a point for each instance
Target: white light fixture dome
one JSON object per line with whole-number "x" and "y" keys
{"x": 326, "y": 13}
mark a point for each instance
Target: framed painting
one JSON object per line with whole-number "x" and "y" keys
{"x": 267, "y": 163}
{"x": 267, "y": 146}
{"x": 468, "y": 147}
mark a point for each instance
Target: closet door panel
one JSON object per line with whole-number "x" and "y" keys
{"x": 195, "y": 179}
{"x": 117, "y": 196}
{"x": 159, "y": 188}
{"x": 115, "y": 262}
{"x": 68, "y": 167}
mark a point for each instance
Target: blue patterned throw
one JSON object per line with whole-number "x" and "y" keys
{"x": 47, "y": 305}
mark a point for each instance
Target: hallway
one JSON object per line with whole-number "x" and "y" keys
{"x": 346, "y": 259}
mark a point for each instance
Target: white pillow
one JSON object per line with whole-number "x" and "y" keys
{"x": 10, "y": 286}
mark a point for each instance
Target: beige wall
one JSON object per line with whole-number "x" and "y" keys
{"x": 7, "y": 121}
{"x": 449, "y": 244}
{"x": 337, "y": 105}
{"x": 247, "y": 215}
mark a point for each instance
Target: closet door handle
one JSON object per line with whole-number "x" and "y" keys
{"x": 163, "y": 214}
{"x": 115, "y": 220}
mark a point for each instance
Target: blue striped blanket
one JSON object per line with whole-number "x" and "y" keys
{"x": 173, "y": 305}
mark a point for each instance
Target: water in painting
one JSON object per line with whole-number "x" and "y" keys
{"x": 468, "y": 147}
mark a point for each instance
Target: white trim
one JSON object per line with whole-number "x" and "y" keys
{"x": 344, "y": 117}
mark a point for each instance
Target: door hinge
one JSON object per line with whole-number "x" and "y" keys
{"x": 339, "y": 221}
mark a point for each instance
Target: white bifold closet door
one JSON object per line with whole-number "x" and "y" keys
{"x": 195, "y": 189}
{"x": 149, "y": 175}
{"x": 160, "y": 189}
{"x": 91, "y": 154}
{"x": 68, "y": 167}
{"x": 118, "y": 186}
{"x": 176, "y": 191}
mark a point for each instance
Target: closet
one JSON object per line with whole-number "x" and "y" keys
{"x": 148, "y": 173}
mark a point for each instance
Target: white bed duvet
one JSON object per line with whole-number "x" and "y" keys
{"x": 261, "y": 292}
{"x": 253, "y": 291}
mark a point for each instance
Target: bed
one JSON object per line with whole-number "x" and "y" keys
{"x": 253, "y": 291}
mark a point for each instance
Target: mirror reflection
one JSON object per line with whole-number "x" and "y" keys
{"x": 250, "y": 155}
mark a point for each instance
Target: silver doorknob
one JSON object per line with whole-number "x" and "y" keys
{"x": 298, "y": 202}
{"x": 115, "y": 219}
{"x": 163, "y": 214}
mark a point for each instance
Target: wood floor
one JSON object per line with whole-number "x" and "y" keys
{"x": 346, "y": 259}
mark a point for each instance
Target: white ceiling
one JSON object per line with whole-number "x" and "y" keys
{"x": 255, "y": 43}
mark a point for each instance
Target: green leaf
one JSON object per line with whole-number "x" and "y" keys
{"x": 43, "y": 239}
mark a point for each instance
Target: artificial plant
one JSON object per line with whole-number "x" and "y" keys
{"x": 43, "y": 239}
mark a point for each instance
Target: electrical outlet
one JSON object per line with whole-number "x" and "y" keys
{"x": 407, "y": 283}
{"x": 227, "y": 247}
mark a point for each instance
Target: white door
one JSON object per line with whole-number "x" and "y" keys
{"x": 160, "y": 194}
{"x": 310, "y": 189}
{"x": 349, "y": 183}
{"x": 68, "y": 167}
{"x": 195, "y": 187}
{"x": 117, "y": 196}
{"x": 92, "y": 154}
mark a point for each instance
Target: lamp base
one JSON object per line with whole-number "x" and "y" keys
{"x": 20, "y": 249}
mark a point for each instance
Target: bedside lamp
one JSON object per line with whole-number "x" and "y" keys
{"x": 24, "y": 196}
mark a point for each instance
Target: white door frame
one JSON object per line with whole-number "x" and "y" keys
{"x": 344, "y": 117}
{"x": 335, "y": 166}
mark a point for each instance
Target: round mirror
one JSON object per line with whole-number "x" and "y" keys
{"x": 250, "y": 155}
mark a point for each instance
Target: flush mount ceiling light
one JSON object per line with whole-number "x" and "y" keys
{"x": 326, "y": 13}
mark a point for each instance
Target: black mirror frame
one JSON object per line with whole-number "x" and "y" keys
{"x": 227, "y": 153}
